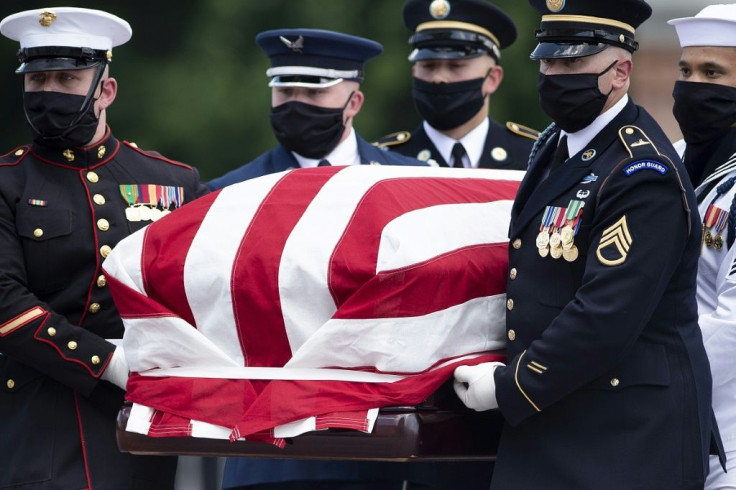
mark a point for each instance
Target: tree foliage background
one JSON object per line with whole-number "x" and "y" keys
{"x": 192, "y": 81}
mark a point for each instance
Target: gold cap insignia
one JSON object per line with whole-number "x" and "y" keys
{"x": 439, "y": 9}
{"x": 109, "y": 55}
{"x": 555, "y": 5}
{"x": 46, "y": 18}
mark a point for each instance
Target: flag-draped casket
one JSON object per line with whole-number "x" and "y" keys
{"x": 307, "y": 299}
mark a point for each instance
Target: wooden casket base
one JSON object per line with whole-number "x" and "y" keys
{"x": 400, "y": 434}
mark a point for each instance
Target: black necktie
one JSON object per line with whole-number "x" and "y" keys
{"x": 458, "y": 152}
{"x": 324, "y": 163}
{"x": 560, "y": 154}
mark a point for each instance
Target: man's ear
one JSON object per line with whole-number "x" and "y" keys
{"x": 108, "y": 93}
{"x": 354, "y": 105}
{"x": 493, "y": 80}
{"x": 622, "y": 73}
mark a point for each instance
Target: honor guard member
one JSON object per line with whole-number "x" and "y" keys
{"x": 705, "y": 107}
{"x": 315, "y": 96}
{"x": 456, "y": 60}
{"x": 607, "y": 383}
{"x": 65, "y": 200}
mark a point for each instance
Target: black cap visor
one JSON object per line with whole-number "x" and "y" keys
{"x": 462, "y": 52}
{"x": 566, "y": 50}
{"x": 55, "y": 64}
{"x": 450, "y": 44}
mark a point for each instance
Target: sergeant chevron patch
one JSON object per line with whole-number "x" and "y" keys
{"x": 615, "y": 243}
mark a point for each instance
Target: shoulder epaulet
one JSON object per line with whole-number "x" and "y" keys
{"x": 15, "y": 155}
{"x": 393, "y": 139}
{"x": 521, "y": 130}
{"x": 637, "y": 142}
{"x": 156, "y": 155}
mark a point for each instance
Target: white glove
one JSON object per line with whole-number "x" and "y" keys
{"x": 476, "y": 387}
{"x": 116, "y": 371}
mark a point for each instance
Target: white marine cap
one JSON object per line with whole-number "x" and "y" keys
{"x": 63, "y": 38}
{"x": 715, "y": 25}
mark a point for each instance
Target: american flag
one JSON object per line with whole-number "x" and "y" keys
{"x": 307, "y": 299}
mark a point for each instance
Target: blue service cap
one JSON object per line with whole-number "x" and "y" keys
{"x": 577, "y": 28}
{"x": 64, "y": 38}
{"x": 315, "y": 57}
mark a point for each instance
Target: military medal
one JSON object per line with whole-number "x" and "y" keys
{"x": 555, "y": 253}
{"x": 714, "y": 223}
{"x": 542, "y": 241}
{"x": 570, "y": 254}
{"x": 555, "y": 240}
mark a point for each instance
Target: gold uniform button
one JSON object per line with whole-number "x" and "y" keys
{"x": 99, "y": 199}
{"x": 38, "y": 232}
{"x": 629, "y": 131}
{"x": 101, "y": 281}
{"x": 18, "y": 153}
{"x": 94, "y": 308}
{"x": 105, "y": 250}
{"x": 95, "y": 360}
{"x": 615, "y": 382}
{"x": 517, "y": 244}
{"x": 51, "y": 331}
{"x": 512, "y": 274}
{"x": 510, "y": 304}
{"x": 72, "y": 345}
{"x": 103, "y": 224}
{"x": 10, "y": 384}
{"x": 93, "y": 177}
{"x": 512, "y": 335}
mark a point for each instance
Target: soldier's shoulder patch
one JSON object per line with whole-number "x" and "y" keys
{"x": 14, "y": 156}
{"x": 639, "y": 165}
{"x": 613, "y": 247}
{"x": 393, "y": 139}
{"x": 522, "y": 130}
{"x": 636, "y": 141}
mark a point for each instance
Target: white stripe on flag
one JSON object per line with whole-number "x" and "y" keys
{"x": 303, "y": 374}
{"x": 425, "y": 233}
{"x": 209, "y": 264}
{"x": 407, "y": 345}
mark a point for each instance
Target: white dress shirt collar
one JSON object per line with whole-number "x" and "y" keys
{"x": 346, "y": 153}
{"x": 578, "y": 141}
{"x": 473, "y": 142}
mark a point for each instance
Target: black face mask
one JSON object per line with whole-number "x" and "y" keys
{"x": 60, "y": 120}
{"x": 448, "y": 105}
{"x": 704, "y": 111}
{"x": 573, "y": 101}
{"x": 306, "y": 129}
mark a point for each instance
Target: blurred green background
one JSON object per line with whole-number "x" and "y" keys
{"x": 192, "y": 81}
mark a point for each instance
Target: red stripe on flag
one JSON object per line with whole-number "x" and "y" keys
{"x": 257, "y": 309}
{"x": 163, "y": 258}
{"x": 132, "y": 304}
{"x": 430, "y": 286}
{"x": 353, "y": 262}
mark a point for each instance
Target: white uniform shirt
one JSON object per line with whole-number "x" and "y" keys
{"x": 716, "y": 296}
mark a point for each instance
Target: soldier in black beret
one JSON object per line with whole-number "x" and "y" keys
{"x": 607, "y": 383}
{"x": 456, "y": 60}
{"x": 65, "y": 200}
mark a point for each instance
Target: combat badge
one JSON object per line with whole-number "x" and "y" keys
{"x": 613, "y": 249}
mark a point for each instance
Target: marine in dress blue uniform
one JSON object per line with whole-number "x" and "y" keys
{"x": 705, "y": 108}
{"x": 316, "y": 60}
{"x": 313, "y": 59}
{"x": 464, "y": 38}
{"x": 607, "y": 383}
{"x": 62, "y": 209}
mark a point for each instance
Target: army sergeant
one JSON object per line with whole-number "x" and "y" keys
{"x": 607, "y": 384}
{"x": 65, "y": 201}
{"x": 456, "y": 67}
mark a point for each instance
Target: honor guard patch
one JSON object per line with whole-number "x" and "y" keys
{"x": 615, "y": 243}
{"x": 635, "y": 167}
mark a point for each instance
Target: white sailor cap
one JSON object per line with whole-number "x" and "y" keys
{"x": 64, "y": 38}
{"x": 715, "y": 25}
